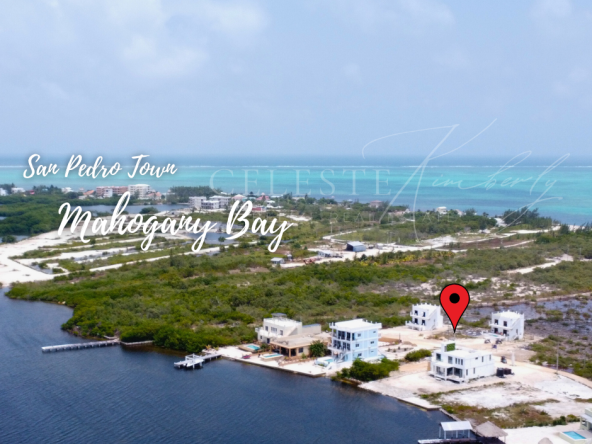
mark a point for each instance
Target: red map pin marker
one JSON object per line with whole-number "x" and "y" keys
{"x": 454, "y": 299}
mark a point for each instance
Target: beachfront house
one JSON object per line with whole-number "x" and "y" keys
{"x": 459, "y": 364}
{"x": 354, "y": 339}
{"x": 425, "y": 317}
{"x": 509, "y": 324}
{"x": 279, "y": 326}
{"x": 295, "y": 346}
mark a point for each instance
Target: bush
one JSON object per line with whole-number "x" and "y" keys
{"x": 417, "y": 355}
{"x": 365, "y": 371}
{"x": 317, "y": 349}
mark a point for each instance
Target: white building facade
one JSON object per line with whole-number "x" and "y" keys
{"x": 210, "y": 205}
{"x": 139, "y": 190}
{"x": 355, "y": 339}
{"x": 195, "y": 201}
{"x": 425, "y": 317}
{"x": 223, "y": 201}
{"x": 452, "y": 363}
{"x": 509, "y": 324}
{"x": 279, "y": 326}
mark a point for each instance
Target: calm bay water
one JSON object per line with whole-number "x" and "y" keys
{"x": 114, "y": 395}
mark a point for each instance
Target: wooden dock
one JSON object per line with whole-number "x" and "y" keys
{"x": 81, "y": 345}
{"x": 137, "y": 344}
{"x": 197, "y": 361}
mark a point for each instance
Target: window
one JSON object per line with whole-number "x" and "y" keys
{"x": 496, "y": 322}
{"x": 482, "y": 358}
{"x": 371, "y": 342}
{"x": 359, "y": 335}
{"x": 505, "y": 323}
{"x": 490, "y": 357}
{"x": 281, "y": 332}
{"x": 467, "y": 374}
{"x": 357, "y": 345}
{"x": 450, "y": 359}
{"x": 438, "y": 357}
{"x": 301, "y": 350}
{"x": 273, "y": 330}
{"x": 473, "y": 370}
{"x": 359, "y": 355}
{"x": 266, "y": 328}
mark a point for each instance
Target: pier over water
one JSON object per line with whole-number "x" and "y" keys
{"x": 52, "y": 348}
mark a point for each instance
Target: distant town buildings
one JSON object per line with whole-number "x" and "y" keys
{"x": 441, "y": 210}
{"x": 210, "y": 205}
{"x": 140, "y": 191}
{"x": 195, "y": 201}
{"x": 375, "y": 204}
{"x": 508, "y": 323}
{"x": 452, "y": 363}
{"x": 223, "y": 201}
{"x": 3, "y": 192}
{"x": 425, "y": 317}
{"x": 354, "y": 339}
{"x": 17, "y": 190}
{"x": 109, "y": 191}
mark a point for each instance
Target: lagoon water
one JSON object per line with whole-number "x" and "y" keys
{"x": 110, "y": 395}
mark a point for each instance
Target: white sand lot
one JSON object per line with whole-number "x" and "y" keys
{"x": 11, "y": 271}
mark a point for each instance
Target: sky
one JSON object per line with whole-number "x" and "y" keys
{"x": 310, "y": 78}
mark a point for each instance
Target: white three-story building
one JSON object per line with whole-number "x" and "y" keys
{"x": 354, "y": 339}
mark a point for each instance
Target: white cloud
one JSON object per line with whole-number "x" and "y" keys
{"x": 352, "y": 72}
{"x": 145, "y": 58}
{"x": 454, "y": 59}
{"x": 404, "y": 15}
{"x": 159, "y": 39}
{"x": 552, "y": 9}
{"x": 576, "y": 86}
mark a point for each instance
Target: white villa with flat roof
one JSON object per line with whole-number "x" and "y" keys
{"x": 279, "y": 326}
{"x": 195, "y": 201}
{"x": 452, "y": 363}
{"x": 425, "y": 317}
{"x": 354, "y": 339}
{"x": 508, "y": 323}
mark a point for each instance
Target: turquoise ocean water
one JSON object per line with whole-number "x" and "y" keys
{"x": 562, "y": 192}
